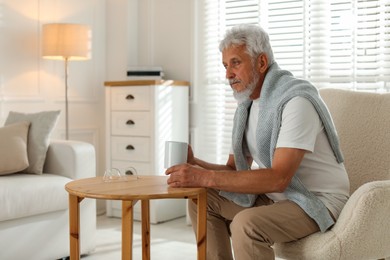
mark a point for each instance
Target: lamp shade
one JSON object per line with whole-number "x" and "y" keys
{"x": 65, "y": 41}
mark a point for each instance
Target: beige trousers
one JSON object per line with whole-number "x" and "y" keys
{"x": 250, "y": 231}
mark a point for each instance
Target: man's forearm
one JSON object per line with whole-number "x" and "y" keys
{"x": 212, "y": 166}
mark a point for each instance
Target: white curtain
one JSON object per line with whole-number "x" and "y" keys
{"x": 332, "y": 43}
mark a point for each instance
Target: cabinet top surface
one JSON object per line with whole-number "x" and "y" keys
{"x": 145, "y": 187}
{"x": 127, "y": 83}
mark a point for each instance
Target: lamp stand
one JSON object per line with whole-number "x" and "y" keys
{"x": 66, "y": 99}
{"x": 66, "y": 41}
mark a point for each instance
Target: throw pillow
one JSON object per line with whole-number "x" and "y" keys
{"x": 13, "y": 148}
{"x": 42, "y": 123}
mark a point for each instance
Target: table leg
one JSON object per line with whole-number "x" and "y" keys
{"x": 202, "y": 225}
{"x": 127, "y": 229}
{"x": 74, "y": 227}
{"x": 145, "y": 216}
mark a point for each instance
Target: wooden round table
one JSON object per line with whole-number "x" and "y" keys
{"x": 130, "y": 191}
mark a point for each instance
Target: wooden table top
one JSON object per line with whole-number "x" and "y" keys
{"x": 145, "y": 187}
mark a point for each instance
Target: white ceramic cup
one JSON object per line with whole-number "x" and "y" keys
{"x": 175, "y": 153}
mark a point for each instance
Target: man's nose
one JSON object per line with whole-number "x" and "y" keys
{"x": 229, "y": 74}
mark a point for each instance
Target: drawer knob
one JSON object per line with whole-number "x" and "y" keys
{"x": 130, "y": 122}
{"x": 129, "y": 172}
{"x": 130, "y": 147}
{"x": 129, "y": 97}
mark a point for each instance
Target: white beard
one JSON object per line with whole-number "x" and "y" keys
{"x": 244, "y": 95}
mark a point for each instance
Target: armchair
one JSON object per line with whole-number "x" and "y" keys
{"x": 363, "y": 228}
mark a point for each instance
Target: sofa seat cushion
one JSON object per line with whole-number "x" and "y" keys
{"x": 23, "y": 195}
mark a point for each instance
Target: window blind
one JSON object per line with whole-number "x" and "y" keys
{"x": 332, "y": 43}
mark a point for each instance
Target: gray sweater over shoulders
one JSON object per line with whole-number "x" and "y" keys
{"x": 278, "y": 88}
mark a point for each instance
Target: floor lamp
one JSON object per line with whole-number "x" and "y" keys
{"x": 64, "y": 41}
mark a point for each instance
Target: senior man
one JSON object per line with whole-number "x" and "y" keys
{"x": 299, "y": 185}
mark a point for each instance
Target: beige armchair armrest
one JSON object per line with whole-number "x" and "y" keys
{"x": 361, "y": 232}
{"x": 72, "y": 159}
{"x": 363, "y": 226}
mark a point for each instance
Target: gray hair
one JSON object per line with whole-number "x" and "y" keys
{"x": 253, "y": 37}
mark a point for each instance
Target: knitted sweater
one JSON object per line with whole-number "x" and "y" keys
{"x": 278, "y": 88}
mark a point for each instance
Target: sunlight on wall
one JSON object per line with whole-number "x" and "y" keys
{"x": 1, "y": 14}
{"x": 1, "y": 69}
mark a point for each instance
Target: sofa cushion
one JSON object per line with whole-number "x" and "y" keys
{"x": 13, "y": 148}
{"x": 23, "y": 195}
{"x": 42, "y": 123}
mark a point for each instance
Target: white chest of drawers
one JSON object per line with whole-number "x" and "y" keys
{"x": 140, "y": 117}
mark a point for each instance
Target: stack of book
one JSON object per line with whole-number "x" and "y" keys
{"x": 145, "y": 73}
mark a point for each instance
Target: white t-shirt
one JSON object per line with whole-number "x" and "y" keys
{"x": 319, "y": 171}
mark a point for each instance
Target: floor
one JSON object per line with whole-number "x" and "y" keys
{"x": 171, "y": 240}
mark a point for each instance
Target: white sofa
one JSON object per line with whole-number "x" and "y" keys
{"x": 34, "y": 217}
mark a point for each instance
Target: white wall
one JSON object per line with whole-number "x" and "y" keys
{"x": 29, "y": 83}
{"x": 118, "y": 14}
{"x": 149, "y": 33}
{"x": 165, "y": 36}
{"x": 124, "y": 33}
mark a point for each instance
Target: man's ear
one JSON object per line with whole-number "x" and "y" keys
{"x": 262, "y": 62}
